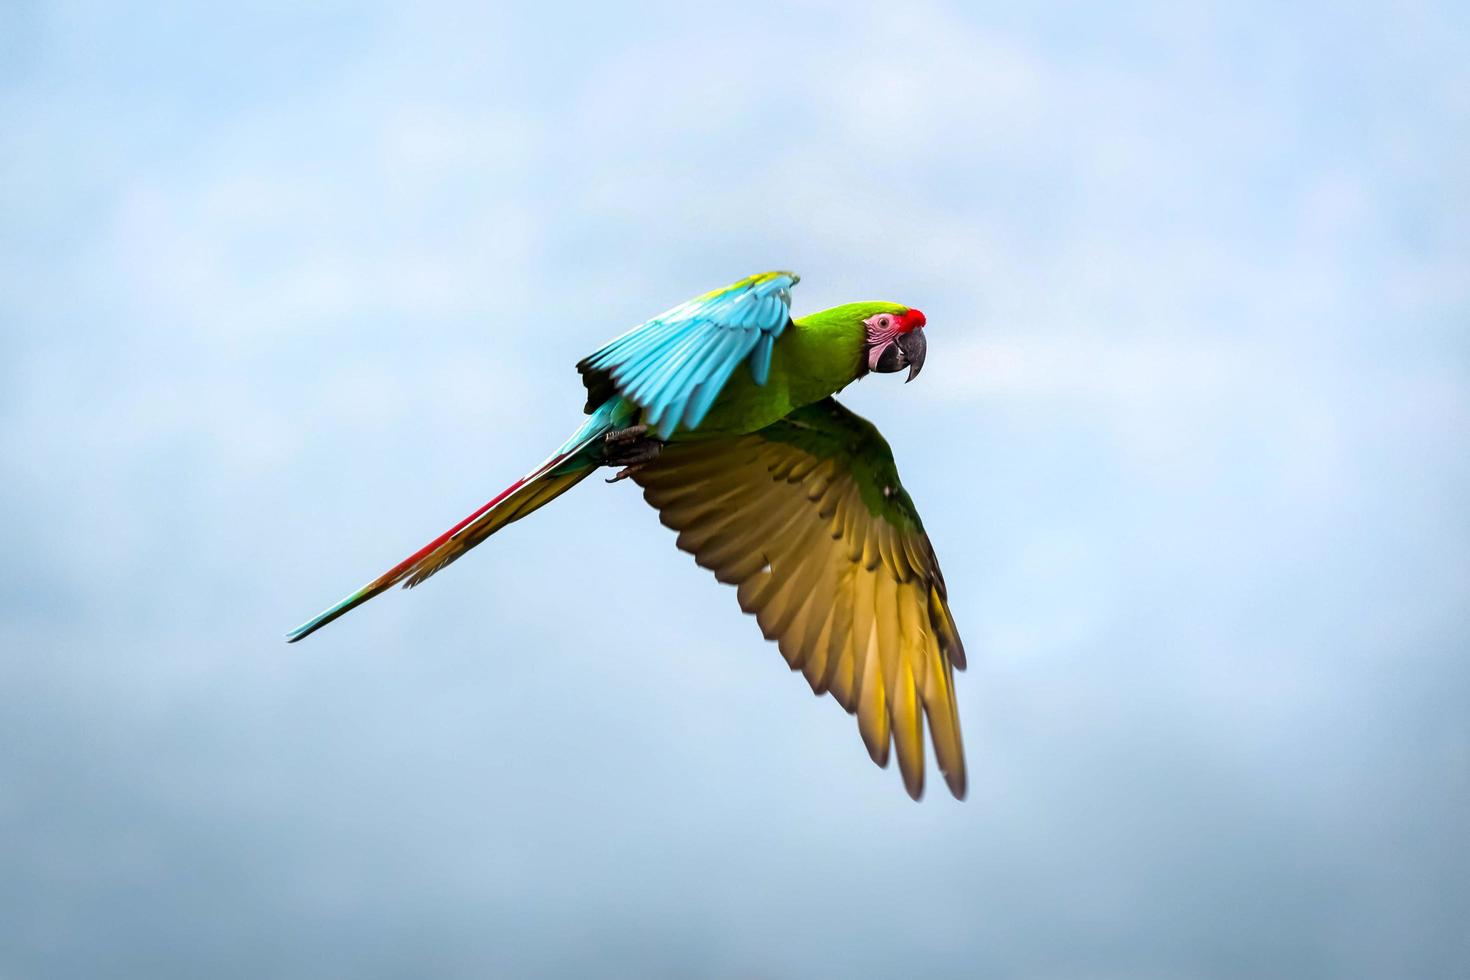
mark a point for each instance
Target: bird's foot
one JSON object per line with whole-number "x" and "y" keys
{"x": 631, "y": 448}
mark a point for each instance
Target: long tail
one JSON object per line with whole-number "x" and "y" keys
{"x": 564, "y": 469}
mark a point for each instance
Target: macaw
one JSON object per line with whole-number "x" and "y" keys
{"x": 721, "y": 410}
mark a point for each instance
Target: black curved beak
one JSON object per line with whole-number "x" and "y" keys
{"x": 913, "y": 347}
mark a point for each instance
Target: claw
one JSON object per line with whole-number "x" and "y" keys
{"x": 629, "y": 448}
{"x": 629, "y": 434}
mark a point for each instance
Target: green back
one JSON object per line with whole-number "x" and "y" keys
{"x": 815, "y": 357}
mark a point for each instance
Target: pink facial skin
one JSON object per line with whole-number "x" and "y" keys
{"x": 884, "y": 328}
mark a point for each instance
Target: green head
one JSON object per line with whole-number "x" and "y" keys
{"x": 893, "y": 336}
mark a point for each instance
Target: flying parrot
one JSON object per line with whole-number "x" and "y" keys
{"x": 721, "y": 410}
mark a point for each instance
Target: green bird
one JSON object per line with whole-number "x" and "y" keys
{"x": 721, "y": 409}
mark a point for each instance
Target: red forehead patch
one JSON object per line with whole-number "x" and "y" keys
{"x": 910, "y": 321}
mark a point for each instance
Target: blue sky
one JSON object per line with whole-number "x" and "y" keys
{"x": 284, "y": 294}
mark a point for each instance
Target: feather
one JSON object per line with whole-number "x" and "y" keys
{"x": 560, "y": 472}
{"x": 674, "y": 365}
{"x": 852, "y": 596}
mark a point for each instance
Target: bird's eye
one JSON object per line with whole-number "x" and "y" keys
{"x": 884, "y": 322}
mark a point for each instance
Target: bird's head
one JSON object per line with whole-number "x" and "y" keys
{"x": 895, "y": 340}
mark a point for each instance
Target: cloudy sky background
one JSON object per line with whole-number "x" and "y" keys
{"x": 284, "y": 294}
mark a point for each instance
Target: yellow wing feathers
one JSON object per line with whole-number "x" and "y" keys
{"x": 854, "y": 602}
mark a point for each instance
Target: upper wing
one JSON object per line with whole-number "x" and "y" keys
{"x": 674, "y": 365}
{"x": 808, "y": 519}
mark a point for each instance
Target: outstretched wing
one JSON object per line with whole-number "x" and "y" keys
{"x": 808, "y": 519}
{"x": 674, "y": 365}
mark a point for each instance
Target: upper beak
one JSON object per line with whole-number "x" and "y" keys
{"x": 913, "y": 346}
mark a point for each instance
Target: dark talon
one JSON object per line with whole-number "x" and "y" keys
{"x": 629, "y": 434}
{"x": 629, "y": 448}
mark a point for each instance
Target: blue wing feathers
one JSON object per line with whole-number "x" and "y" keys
{"x": 760, "y": 359}
{"x": 702, "y": 395}
{"x": 723, "y": 361}
{"x": 650, "y": 373}
{"x": 675, "y": 365}
{"x": 662, "y": 388}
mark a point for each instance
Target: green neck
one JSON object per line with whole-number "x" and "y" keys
{"x": 823, "y": 353}
{"x": 829, "y": 347}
